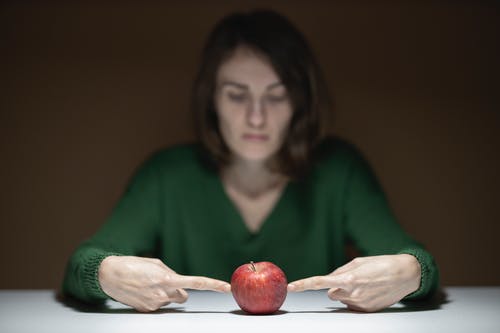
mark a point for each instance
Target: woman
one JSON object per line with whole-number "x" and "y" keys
{"x": 262, "y": 183}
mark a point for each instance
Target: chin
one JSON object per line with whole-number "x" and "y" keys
{"x": 255, "y": 155}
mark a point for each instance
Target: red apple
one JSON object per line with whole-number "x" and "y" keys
{"x": 259, "y": 288}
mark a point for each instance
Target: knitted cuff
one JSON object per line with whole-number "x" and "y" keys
{"x": 427, "y": 275}
{"x": 90, "y": 272}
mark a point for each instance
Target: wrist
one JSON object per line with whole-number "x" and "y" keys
{"x": 412, "y": 272}
{"x": 105, "y": 271}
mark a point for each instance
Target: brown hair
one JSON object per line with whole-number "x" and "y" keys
{"x": 275, "y": 37}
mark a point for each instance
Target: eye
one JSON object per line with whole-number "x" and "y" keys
{"x": 277, "y": 98}
{"x": 237, "y": 97}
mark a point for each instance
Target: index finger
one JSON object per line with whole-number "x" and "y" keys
{"x": 200, "y": 283}
{"x": 316, "y": 283}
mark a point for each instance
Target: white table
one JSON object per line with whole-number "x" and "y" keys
{"x": 467, "y": 309}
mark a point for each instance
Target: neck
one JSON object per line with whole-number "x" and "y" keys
{"x": 251, "y": 179}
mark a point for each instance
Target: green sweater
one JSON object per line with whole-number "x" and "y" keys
{"x": 176, "y": 209}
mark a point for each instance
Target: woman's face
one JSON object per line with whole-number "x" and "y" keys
{"x": 253, "y": 106}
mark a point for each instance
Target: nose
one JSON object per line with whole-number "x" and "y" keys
{"x": 256, "y": 114}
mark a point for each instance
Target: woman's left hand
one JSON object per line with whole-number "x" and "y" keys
{"x": 368, "y": 283}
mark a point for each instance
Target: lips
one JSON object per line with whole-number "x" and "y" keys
{"x": 255, "y": 137}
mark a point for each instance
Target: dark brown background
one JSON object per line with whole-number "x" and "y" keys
{"x": 89, "y": 90}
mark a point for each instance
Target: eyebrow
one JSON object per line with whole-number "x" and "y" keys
{"x": 245, "y": 87}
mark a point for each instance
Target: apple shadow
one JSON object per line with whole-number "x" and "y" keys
{"x": 243, "y": 313}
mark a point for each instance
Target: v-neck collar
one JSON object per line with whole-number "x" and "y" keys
{"x": 234, "y": 219}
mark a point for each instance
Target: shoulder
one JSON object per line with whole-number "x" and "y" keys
{"x": 176, "y": 161}
{"x": 334, "y": 150}
{"x": 336, "y": 159}
{"x": 340, "y": 160}
{"x": 177, "y": 154}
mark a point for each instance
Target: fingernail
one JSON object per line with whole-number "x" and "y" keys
{"x": 291, "y": 287}
{"x": 226, "y": 288}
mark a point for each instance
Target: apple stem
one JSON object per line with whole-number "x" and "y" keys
{"x": 253, "y": 266}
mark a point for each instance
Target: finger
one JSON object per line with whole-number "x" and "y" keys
{"x": 158, "y": 261}
{"x": 164, "y": 304}
{"x": 343, "y": 269}
{"x": 150, "y": 305}
{"x": 347, "y": 267}
{"x": 179, "y": 296}
{"x": 170, "y": 270}
{"x": 339, "y": 294}
{"x": 343, "y": 281}
{"x": 357, "y": 308}
{"x": 199, "y": 283}
{"x": 315, "y": 283}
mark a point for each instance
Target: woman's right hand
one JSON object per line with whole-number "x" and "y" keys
{"x": 147, "y": 284}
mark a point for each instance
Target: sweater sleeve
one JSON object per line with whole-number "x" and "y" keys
{"x": 131, "y": 229}
{"x": 374, "y": 230}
